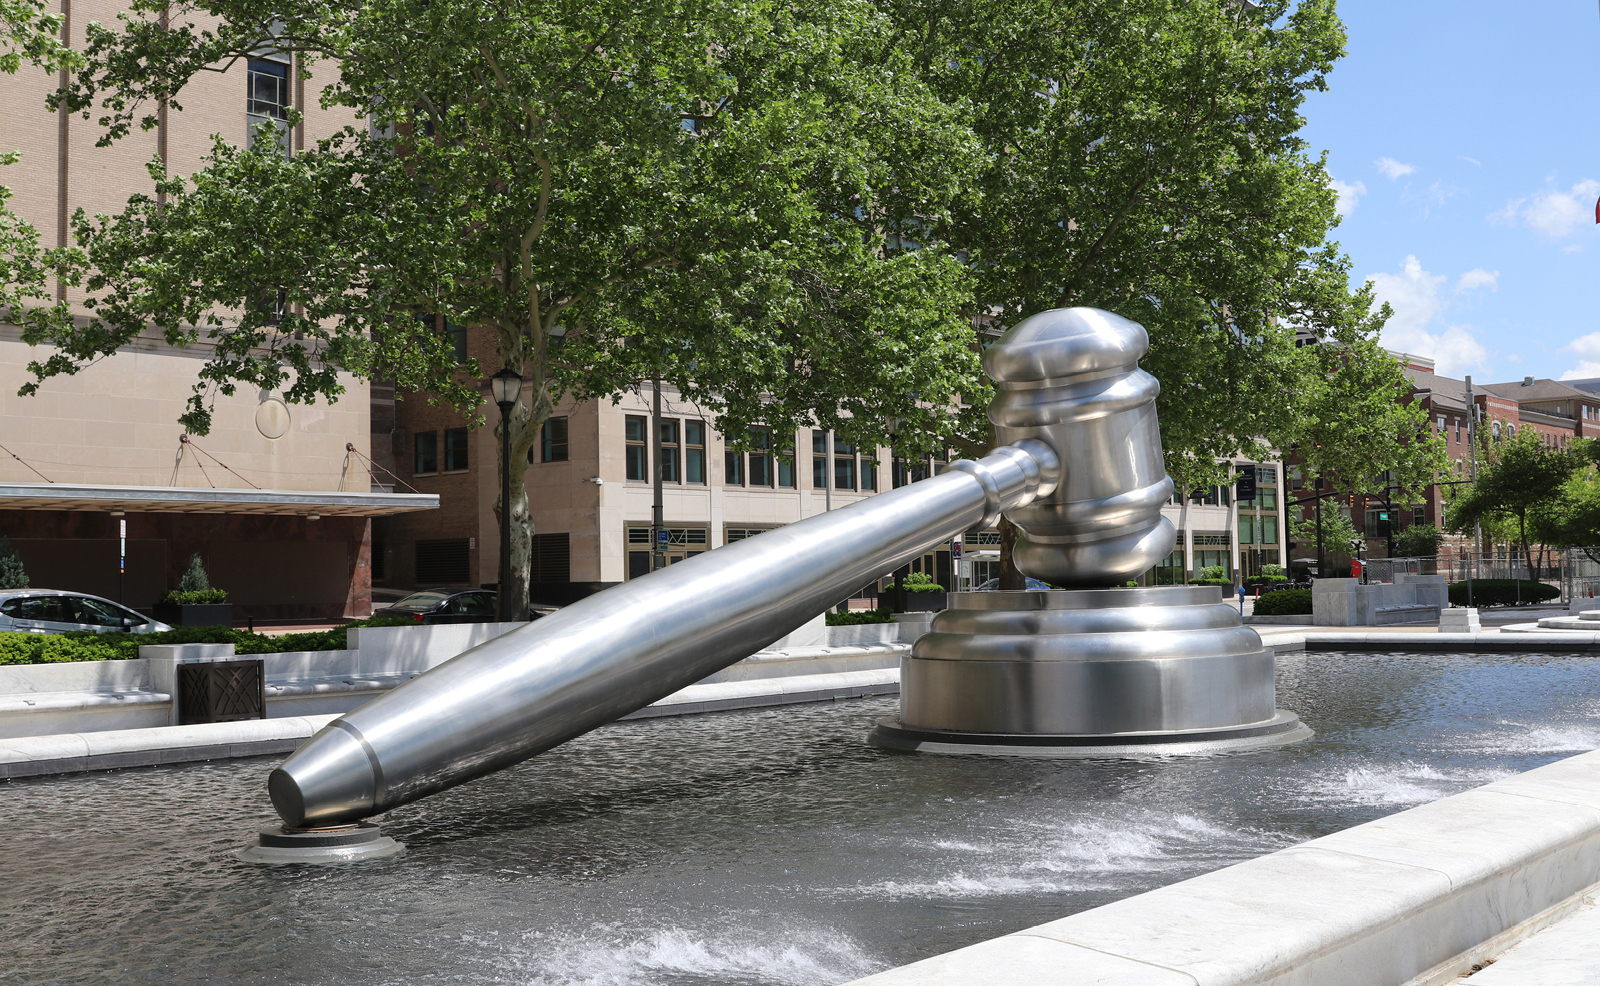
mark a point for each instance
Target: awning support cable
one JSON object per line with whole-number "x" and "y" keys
{"x": 351, "y": 448}
{"x": 25, "y": 462}
{"x": 186, "y": 440}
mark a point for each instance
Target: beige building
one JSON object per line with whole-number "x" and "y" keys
{"x": 277, "y": 499}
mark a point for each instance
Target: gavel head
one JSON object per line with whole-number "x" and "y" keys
{"x": 1070, "y": 378}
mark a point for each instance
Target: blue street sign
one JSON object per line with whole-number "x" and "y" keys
{"x": 661, "y": 539}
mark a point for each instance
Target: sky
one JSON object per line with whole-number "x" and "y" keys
{"x": 1463, "y": 138}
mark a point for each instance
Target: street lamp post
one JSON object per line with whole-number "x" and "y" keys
{"x": 507, "y": 386}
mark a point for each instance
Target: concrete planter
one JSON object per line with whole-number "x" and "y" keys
{"x": 926, "y": 602}
{"x": 203, "y": 615}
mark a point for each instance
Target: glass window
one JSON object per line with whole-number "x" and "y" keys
{"x": 427, "y": 458}
{"x": 761, "y": 460}
{"x": 633, "y": 431}
{"x": 786, "y": 469}
{"x": 553, "y": 440}
{"x": 670, "y": 451}
{"x": 819, "y": 460}
{"x": 732, "y": 469}
{"x": 1269, "y": 530}
{"x": 93, "y": 612}
{"x": 1246, "y": 531}
{"x": 869, "y": 475}
{"x": 269, "y": 89}
{"x": 455, "y": 449}
{"x": 473, "y": 604}
{"x": 844, "y": 472}
{"x": 457, "y": 334}
{"x": 694, "y": 452}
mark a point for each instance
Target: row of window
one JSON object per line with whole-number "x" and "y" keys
{"x": 683, "y": 459}
{"x": 427, "y": 459}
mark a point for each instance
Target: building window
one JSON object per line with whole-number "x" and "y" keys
{"x": 733, "y": 534}
{"x": 553, "y": 440}
{"x": 427, "y": 458}
{"x": 786, "y": 468}
{"x": 457, "y": 335}
{"x": 761, "y": 459}
{"x": 819, "y": 460}
{"x": 844, "y": 465}
{"x": 455, "y": 449}
{"x": 445, "y": 562}
{"x": 269, "y": 89}
{"x": 1458, "y": 429}
{"x": 732, "y": 469}
{"x": 633, "y": 431}
{"x": 267, "y": 102}
{"x": 907, "y": 471}
{"x": 694, "y": 452}
{"x": 869, "y": 475}
{"x": 671, "y": 453}
{"x": 1266, "y": 475}
{"x": 1269, "y": 530}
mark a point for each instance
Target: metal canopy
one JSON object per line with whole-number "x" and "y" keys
{"x": 191, "y": 500}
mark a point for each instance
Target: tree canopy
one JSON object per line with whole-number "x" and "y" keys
{"x": 1523, "y": 479}
{"x": 793, "y": 214}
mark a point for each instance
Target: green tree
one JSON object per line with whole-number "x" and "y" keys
{"x": 1146, "y": 158}
{"x": 194, "y": 578}
{"x": 1338, "y": 530}
{"x": 1522, "y": 479}
{"x": 1419, "y": 541}
{"x": 12, "y": 574}
{"x": 619, "y": 190}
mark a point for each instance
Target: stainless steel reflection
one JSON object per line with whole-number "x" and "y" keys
{"x": 1070, "y": 377}
{"x": 622, "y": 649}
{"x": 1100, "y": 661}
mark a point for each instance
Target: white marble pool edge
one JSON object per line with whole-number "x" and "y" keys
{"x": 1412, "y": 899}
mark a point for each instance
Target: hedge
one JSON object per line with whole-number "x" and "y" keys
{"x": 860, "y": 616}
{"x": 1502, "y": 592}
{"x": 59, "y": 648}
{"x": 1284, "y": 602}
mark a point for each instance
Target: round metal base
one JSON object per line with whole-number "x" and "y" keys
{"x": 1283, "y": 728}
{"x": 336, "y": 844}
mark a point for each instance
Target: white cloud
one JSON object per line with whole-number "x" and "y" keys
{"x": 1349, "y": 194}
{"x": 1574, "y": 248}
{"x": 1472, "y": 160}
{"x": 1479, "y": 278}
{"x": 1587, "y": 349}
{"x": 1554, "y": 213}
{"x": 1418, "y": 299}
{"x": 1393, "y": 169}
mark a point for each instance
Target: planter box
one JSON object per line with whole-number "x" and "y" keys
{"x": 206, "y": 615}
{"x": 926, "y": 602}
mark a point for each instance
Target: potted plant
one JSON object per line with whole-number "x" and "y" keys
{"x": 194, "y": 603}
{"x": 923, "y": 595}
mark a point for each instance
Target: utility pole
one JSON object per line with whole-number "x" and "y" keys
{"x": 1472, "y": 473}
{"x": 1322, "y": 560}
{"x": 658, "y": 551}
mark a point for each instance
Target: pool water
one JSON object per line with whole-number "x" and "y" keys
{"x": 759, "y": 847}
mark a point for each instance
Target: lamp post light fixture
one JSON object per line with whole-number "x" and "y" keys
{"x": 507, "y": 387}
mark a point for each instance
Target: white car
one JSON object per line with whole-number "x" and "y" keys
{"x": 50, "y": 611}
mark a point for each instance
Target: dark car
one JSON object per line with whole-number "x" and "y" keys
{"x": 450, "y": 606}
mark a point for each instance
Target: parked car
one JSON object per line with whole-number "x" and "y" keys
{"x": 450, "y": 606}
{"x": 48, "y": 611}
{"x": 994, "y": 584}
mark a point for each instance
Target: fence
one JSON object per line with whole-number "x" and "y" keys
{"x": 1575, "y": 571}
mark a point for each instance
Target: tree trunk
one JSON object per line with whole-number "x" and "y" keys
{"x": 524, "y": 429}
{"x": 1011, "y": 577}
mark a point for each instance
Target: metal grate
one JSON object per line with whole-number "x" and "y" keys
{"x": 221, "y": 691}
{"x": 444, "y": 562}
{"x": 552, "y": 558}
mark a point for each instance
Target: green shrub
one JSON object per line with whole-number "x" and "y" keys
{"x": 920, "y": 582}
{"x": 1210, "y": 574}
{"x": 194, "y": 588}
{"x": 193, "y": 597}
{"x": 12, "y": 574}
{"x": 1502, "y": 592}
{"x": 42, "y": 648}
{"x": 859, "y": 617}
{"x": 1226, "y": 582}
{"x": 1273, "y": 572}
{"x": 1285, "y": 602}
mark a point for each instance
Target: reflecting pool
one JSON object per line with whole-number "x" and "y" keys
{"x": 766, "y": 846}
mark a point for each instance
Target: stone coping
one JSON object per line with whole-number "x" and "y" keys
{"x": 64, "y": 753}
{"x": 1414, "y": 898}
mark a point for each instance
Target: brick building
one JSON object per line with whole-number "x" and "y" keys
{"x": 275, "y": 499}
